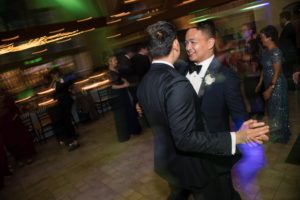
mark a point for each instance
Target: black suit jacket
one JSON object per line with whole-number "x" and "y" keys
{"x": 288, "y": 42}
{"x": 63, "y": 94}
{"x": 126, "y": 70}
{"x": 220, "y": 102}
{"x": 141, "y": 65}
{"x": 182, "y": 149}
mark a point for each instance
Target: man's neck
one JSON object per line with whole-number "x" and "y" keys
{"x": 165, "y": 59}
{"x": 204, "y": 59}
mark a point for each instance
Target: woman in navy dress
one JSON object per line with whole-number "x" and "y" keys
{"x": 276, "y": 91}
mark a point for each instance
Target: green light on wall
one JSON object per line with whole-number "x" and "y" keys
{"x": 24, "y": 94}
{"x": 33, "y": 61}
{"x": 78, "y": 7}
{"x": 71, "y": 9}
{"x": 73, "y": 5}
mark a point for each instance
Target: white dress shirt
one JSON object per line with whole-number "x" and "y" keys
{"x": 196, "y": 81}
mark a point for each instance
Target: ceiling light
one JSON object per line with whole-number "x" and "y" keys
{"x": 255, "y": 6}
{"x": 130, "y": 1}
{"x": 85, "y": 19}
{"x": 184, "y": 3}
{"x": 122, "y": 14}
{"x": 24, "y": 99}
{"x": 114, "y": 36}
{"x": 62, "y": 41}
{"x": 48, "y": 102}
{"x": 40, "y": 41}
{"x": 82, "y": 81}
{"x": 57, "y": 31}
{"x": 202, "y": 19}
{"x": 41, "y": 51}
{"x": 144, "y": 18}
{"x": 46, "y": 91}
{"x": 98, "y": 75}
{"x": 95, "y": 85}
{"x": 114, "y": 21}
{"x": 88, "y": 30}
{"x": 10, "y": 39}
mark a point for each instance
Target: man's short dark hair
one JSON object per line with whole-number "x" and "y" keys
{"x": 161, "y": 37}
{"x": 208, "y": 27}
{"x": 270, "y": 32}
{"x": 286, "y": 15}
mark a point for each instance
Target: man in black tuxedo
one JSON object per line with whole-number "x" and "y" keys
{"x": 140, "y": 64}
{"x": 125, "y": 66}
{"x": 183, "y": 149}
{"x": 220, "y": 96}
{"x": 140, "y": 61}
{"x": 287, "y": 44}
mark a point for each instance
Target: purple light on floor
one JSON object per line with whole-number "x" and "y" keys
{"x": 246, "y": 170}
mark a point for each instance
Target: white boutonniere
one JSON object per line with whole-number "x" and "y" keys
{"x": 209, "y": 79}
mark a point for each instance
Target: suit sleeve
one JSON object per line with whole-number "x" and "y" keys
{"x": 234, "y": 99}
{"x": 182, "y": 115}
{"x": 291, "y": 33}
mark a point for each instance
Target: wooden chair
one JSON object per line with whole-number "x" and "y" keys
{"x": 31, "y": 126}
{"x": 46, "y": 125}
{"x": 105, "y": 96}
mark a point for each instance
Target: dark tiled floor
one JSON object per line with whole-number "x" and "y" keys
{"x": 104, "y": 169}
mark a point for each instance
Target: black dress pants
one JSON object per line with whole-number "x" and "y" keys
{"x": 219, "y": 189}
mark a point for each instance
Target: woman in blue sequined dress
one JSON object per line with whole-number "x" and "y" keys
{"x": 276, "y": 91}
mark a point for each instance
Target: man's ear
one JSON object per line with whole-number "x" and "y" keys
{"x": 211, "y": 43}
{"x": 176, "y": 45}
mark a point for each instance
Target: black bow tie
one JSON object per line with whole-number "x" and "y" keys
{"x": 194, "y": 68}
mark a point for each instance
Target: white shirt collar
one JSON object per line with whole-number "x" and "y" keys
{"x": 287, "y": 22}
{"x": 207, "y": 61}
{"x": 127, "y": 56}
{"x": 197, "y": 79}
{"x": 163, "y": 62}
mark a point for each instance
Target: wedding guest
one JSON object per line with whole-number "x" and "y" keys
{"x": 63, "y": 115}
{"x": 276, "y": 89}
{"x": 287, "y": 43}
{"x": 16, "y": 138}
{"x": 126, "y": 120}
